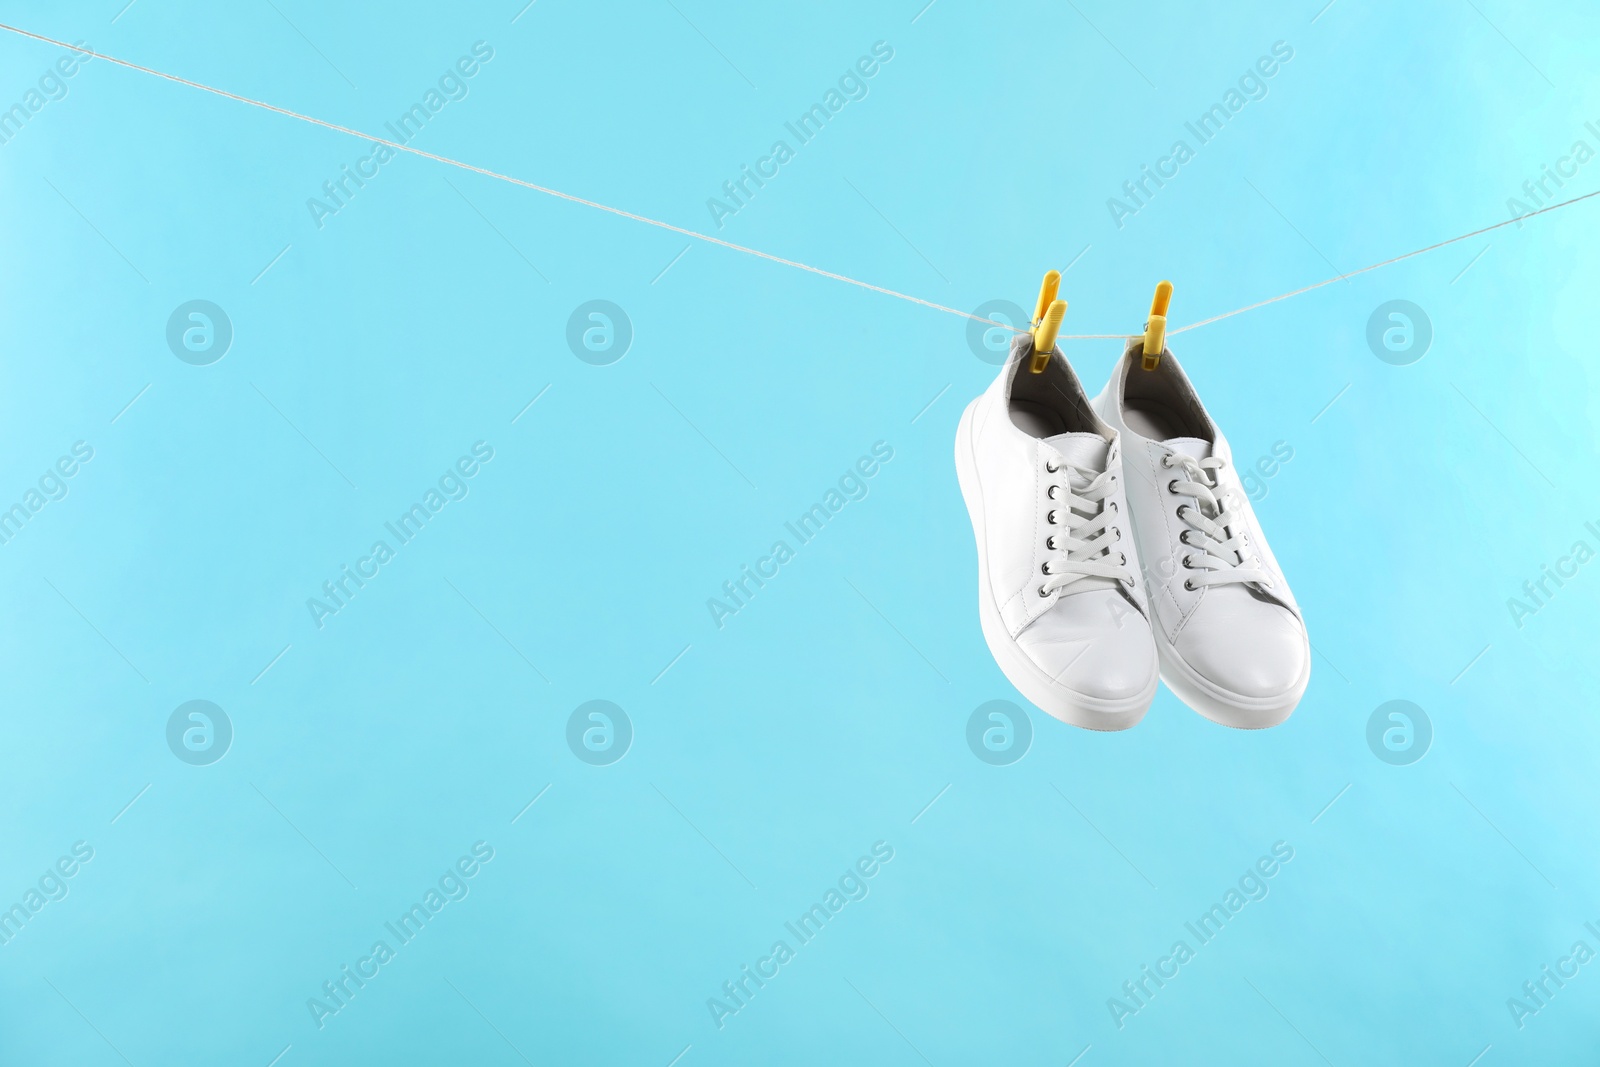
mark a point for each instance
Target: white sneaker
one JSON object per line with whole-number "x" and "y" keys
{"x": 1058, "y": 591}
{"x": 1232, "y": 641}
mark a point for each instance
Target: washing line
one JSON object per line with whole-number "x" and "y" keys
{"x": 731, "y": 246}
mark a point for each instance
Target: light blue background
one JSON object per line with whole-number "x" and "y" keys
{"x": 770, "y": 754}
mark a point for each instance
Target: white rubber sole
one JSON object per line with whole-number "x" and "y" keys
{"x": 1043, "y": 691}
{"x": 1221, "y": 706}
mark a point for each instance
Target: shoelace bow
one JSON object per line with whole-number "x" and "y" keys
{"x": 1219, "y": 555}
{"x": 1083, "y": 545}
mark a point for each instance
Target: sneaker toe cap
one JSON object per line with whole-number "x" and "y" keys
{"x": 1253, "y": 650}
{"x": 1094, "y": 645}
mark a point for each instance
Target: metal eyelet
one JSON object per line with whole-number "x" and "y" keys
{"x": 1051, "y": 517}
{"x": 1051, "y": 492}
{"x": 1172, "y": 486}
{"x": 1051, "y": 466}
{"x": 1166, "y": 461}
{"x": 1188, "y": 566}
{"x": 1183, "y": 538}
{"x": 1114, "y": 508}
{"x": 1122, "y": 559}
{"x": 1042, "y": 593}
{"x": 1187, "y": 584}
{"x": 1050, "y": 542}
{"x": 1044, "y": 568}
{"x": 1181, "y": 509}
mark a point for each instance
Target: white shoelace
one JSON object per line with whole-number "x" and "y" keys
{"x": 1222, "y": 552}
{"x": 1082, "y": 536}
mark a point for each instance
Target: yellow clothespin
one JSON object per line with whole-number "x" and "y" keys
{"x": 1155, "y": 330}
{"x": 1047, "y": 316}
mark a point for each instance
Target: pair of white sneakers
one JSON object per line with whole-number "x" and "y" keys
{"x": 1116, "y": 545}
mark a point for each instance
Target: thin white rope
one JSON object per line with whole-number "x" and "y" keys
{"x": 707, "y": 238}
{"x": 1385, "y": 263}
{"x": 397, "y": 146}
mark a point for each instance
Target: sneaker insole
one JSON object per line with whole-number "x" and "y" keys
{"x": 1036, "y": 420}
{"x": 1152, "y": 420}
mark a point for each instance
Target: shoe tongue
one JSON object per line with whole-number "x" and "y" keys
{"x": 1193, "y": 447}
{"x": 1086, "y": 451}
